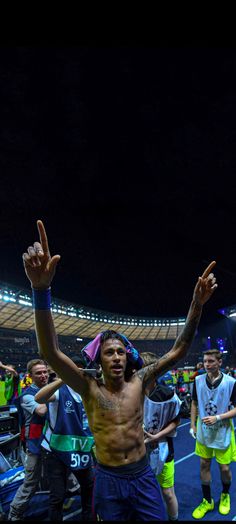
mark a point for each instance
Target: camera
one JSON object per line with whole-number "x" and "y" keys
{"x": 52, "y": 376}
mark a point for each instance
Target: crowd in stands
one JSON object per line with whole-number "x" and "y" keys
{"x": 17, "y": 347}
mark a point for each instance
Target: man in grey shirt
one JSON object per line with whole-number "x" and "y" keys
{"x": 32, "y": 419}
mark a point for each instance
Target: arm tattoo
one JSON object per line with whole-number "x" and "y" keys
{"x": 179, "y": 350}
{"x": 159, "y": 368}
{"x": 165, "y": 363}
{"x": 190, "y": 327}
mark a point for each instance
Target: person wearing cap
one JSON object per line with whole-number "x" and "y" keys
{"x": 67, "y": 445}
{"x": 125, "y": 485}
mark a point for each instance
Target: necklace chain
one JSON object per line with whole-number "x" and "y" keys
{"x": 215, "y": 378}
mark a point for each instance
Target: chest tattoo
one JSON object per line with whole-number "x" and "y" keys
{"x": 107, "y": 404}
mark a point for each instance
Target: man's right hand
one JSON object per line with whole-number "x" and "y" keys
{"x": 39, "y": 266}
{"x": 193, "y": 432}
{"x": 205, "y": 286}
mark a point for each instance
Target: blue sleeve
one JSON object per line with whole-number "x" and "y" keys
{"x": 29, "y": 403}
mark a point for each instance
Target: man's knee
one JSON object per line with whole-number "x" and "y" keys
{"x": 168, "y": 494}
{"x": 225, "y": 469}
{"x": 205, "y": 465}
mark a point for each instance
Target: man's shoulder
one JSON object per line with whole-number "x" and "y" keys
{"x": 229, "y": 377}
{"x": 200, "y": 377}
{"x": 29, "y": 392}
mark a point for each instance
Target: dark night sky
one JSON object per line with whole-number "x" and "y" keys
{"x": 128, "y": 155}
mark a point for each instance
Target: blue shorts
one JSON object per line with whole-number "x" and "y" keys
{"x": 127, "y": 493}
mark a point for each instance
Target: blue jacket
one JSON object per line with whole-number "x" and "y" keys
{"x": 71, "y": 439}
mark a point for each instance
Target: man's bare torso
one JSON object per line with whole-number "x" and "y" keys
{"x": 116, "y": 421}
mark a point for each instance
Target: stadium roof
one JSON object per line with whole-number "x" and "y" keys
{"x": 16, "y": 312}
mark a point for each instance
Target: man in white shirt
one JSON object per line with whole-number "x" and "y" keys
{"x": 214, "y": 398}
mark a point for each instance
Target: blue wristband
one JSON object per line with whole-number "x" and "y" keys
{"x": 41, "y": 298}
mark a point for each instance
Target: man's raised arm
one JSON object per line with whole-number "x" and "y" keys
{"x": 8, "y": 368}
{"x": 46, "y": 393}
{"x": 203, "y": 290}
{"x": 40, "y": 268}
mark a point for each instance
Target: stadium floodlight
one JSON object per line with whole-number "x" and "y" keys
{"x": 9, "y": 299}
{"x": 92, "y": 316}
{"x": 25, "y": 303}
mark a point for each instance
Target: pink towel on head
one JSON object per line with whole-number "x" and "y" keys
{"x": 93, "y": 347}
{"x": 92, "y": 350}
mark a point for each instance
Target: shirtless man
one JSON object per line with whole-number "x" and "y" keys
{"x": 125, "y": 486}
